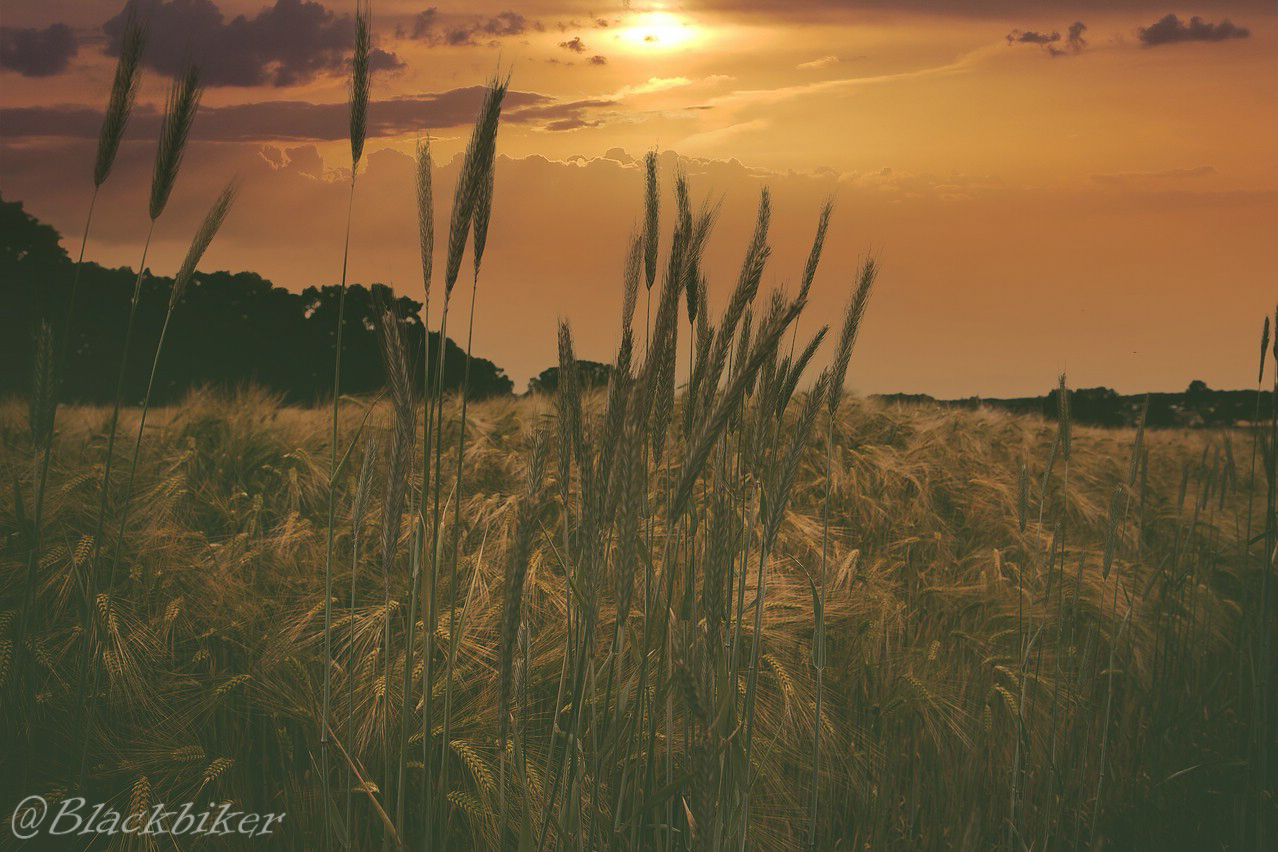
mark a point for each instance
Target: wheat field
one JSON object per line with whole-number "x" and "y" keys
{"x": 975, "y": 671}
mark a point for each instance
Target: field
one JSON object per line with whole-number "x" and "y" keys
{"x": 978, "y": 675}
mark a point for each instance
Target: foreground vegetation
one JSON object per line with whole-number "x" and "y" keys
{"x": 976, "y": 673}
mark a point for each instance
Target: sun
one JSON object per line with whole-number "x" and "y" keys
{"x": 650, "y": 31}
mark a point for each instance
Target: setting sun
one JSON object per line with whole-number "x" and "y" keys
{"x": 659, "y": 31}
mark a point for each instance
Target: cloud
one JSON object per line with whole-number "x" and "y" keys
{"x": 597, "y": 60}
{"x": 712, "y": 139}
{"x": 1031, "y": 37}
{"x": 37, "y": 53}
{"x": 1074, "y": 41}
{"x": 823, "y": 62}
{"x": 297, "y": 120}
{"x": 304, "y": 159}
{"x": 423, "y": 24}
{"x": 660, "y": 84}
{"x": 575, "y": 44}
{"x": 567, "y": 115}
{"x": 1170, "y": 29}
{"x": 570, "y": 124}
{"x": 506, "y": 24}
{"x": 427, "y": 26}
{"x": 286, "y": 44}
{"x": 743, "y": 98}
{"x": 1121, "y": 178}
{"x": 1075, "y": 37}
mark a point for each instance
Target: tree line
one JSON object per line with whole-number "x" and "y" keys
{"x": 230, "y": 329}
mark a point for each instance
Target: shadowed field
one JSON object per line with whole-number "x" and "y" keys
{"x": 979, "y": 662}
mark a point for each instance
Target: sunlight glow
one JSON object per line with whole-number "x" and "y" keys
{"x": 658, "y": 31}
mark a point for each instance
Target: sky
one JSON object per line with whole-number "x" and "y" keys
{"x": 1085, "y": 186}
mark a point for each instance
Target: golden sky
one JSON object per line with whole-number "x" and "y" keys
{"x": 1085, "y": 186}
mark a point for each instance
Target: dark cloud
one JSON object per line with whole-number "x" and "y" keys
{"x": 1075, "y": 36}
{"x": 1074, "y": 41}
{"x": 428, "y": 27}
{"x": 423, "y": 24}
{"x": 304, "y": 121}
{"x": 571, "y": 124}
{"x": 297, "y": 120}
{"x": 1031, "y": 37}
{"x": 565, "y": 115}
{"x": 1171, "y": 29}
{"x": 506, "y": 24}
{"x": 575, "y": 44}
{"x": 597, "y": 60}
{"x": 37, "y": 53}
{"x": 286, "y": 44}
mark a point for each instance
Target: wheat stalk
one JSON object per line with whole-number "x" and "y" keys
{"x": 360, "y": 91}
{"x": 124, "y": 90}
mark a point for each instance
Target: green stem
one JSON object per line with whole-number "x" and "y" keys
{"x": 818, "y": 654}
{"x": 431, "y": 806}
{"x": 456, "y": 542}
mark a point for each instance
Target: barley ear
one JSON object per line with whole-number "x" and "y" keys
{"x": 650, "y": 220}
{"x": 124, "y": 89}
{"x": 851, "y": 326}
{"x": 44, "y": 392}
{"x": 1022, "y": 502}
{"x": 203, "y": 237}
{"x": 361, "y": 82}
{"x": 483, "y": 212}
{"x": 425, "y": 213}
{"x": 473, "y": 179}
{"x": 1139, "y": 444}
{"x": 692, "y": 294}
{"x": 630, "y": 281}
{"x": 179, "y": 113}
{"x": 814, "y": 256}
{"x": 1062, "y": 408}
{"x": 1264, "y": 346}
{"x": 1276, "y": 334}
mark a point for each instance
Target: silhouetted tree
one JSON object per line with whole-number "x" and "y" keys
{"x": 230, "y": 329}
{"x": 592, "y": 373}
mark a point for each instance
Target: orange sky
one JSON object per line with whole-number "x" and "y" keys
{"x": 1104, "y": 204}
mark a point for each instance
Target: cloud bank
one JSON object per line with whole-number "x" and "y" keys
{"x": 37, "y": 53}
{"x": 286, "y": 44}
{"x": 1170, "y": 29}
